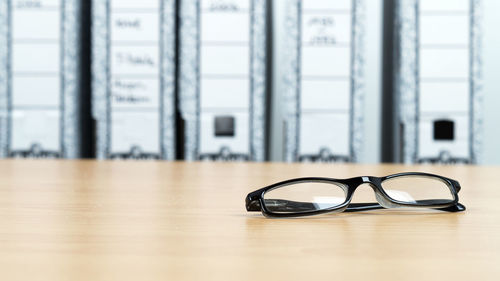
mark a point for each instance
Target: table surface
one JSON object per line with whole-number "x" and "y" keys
{"x": 110, "y": 220}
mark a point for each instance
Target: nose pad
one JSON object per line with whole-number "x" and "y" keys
{"x": 384, "y": 202}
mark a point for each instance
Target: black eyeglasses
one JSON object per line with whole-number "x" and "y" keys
{"x": 313, "y": 196}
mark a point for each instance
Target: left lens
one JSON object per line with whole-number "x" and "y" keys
{"x": 418, "y": 189}
{"x": 305, "y": 197}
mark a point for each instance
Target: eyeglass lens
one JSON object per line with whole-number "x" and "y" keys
{"x": 305, "y": 197}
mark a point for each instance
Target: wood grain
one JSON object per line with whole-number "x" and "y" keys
{"x": 105, "y": 220}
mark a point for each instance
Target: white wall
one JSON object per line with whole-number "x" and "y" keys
{"x": 373, "y": 86}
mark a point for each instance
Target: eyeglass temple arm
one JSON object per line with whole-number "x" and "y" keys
{"x": 357, "y": 207}
{"x": 282, "y": 205}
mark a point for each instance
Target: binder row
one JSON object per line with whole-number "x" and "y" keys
{"x": 189, "y": 79}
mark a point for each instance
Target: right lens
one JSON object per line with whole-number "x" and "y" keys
{"x": 417, "y": 189}
{"x": 305, "y": 197}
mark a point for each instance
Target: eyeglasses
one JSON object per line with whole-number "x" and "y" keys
{"x": 313, "y": 196}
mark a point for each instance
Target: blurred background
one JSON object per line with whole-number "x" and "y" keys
{"x": 368, "y": 81}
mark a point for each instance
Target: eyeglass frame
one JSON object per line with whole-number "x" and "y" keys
{"x": 255, "y": 200}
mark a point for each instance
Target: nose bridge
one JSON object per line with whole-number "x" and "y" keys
{"x": 373, "y": 182}
{"x": 365, "y": 180}
{"x": 369, "y": 180}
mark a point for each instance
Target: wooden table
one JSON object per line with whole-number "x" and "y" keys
{"x": 90, "y": 220}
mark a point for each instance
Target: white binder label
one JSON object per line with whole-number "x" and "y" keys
{"x": 225, "y": 77}
{"x": 444, "y": 97}
{"x": 36, "y": 72}
{"x": 135, "y": 77}
{"x": 325, "y": 78}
